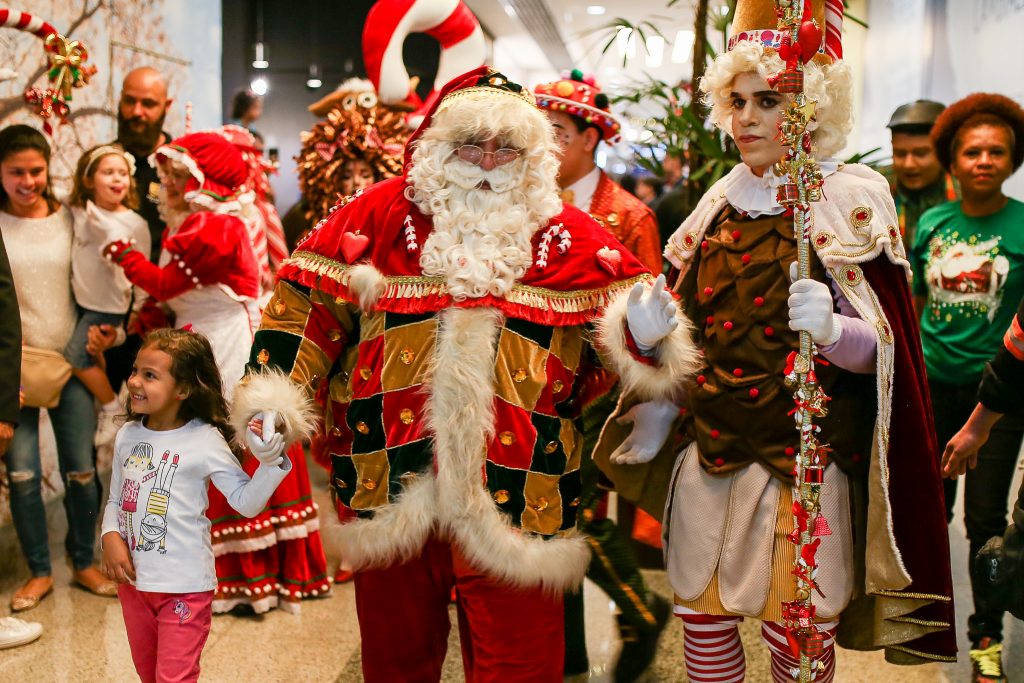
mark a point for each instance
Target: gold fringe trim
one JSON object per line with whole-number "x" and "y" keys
{"x": 419, "y": 287}
{"x": 922, "y": 655}
{"x": 920, "y": 622}
{"x": 911, "y": 596}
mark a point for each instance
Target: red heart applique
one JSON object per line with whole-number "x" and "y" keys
{"x": 809, "y": 37}
{"x": 610, "y": 260}
{"x": 353, "y": 245}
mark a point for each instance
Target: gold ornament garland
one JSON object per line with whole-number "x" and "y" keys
{"x": 803, "y": 187}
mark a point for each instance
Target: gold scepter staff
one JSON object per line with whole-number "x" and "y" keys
{"x": 801, "y": 189}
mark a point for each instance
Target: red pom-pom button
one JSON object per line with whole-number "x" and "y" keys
{"x": 755, "y": 392}
{"x": 759, "y": 301}
{"x": 738, "y": 372}
{"x": 719, "y": 462}
{"x": 736, "y": 234}
{"x": 707, "y": 291}
{"x": 727, "y": 325}
{"x": 715, "y": 433}
{"x": 790, "y": 450}
{"x": 701, "y": 379}
{"x": 745, "y": 258}
{"x": 769, "y": 331}
{"x": 710, "y": 320}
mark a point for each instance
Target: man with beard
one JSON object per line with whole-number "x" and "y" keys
{"x": 470, "y": 296}
{"x": 140, "y": 119}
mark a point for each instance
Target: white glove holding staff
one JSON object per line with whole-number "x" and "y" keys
{"x": 810, "y": 309}
{"x": 263, "y": 440}
{"x": 650, "y": 318}
{"x": 652, "y": 422}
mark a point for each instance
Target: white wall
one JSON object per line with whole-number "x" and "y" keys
{"x": 940, "y": 50}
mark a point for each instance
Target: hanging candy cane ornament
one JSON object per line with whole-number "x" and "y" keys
{"x": 67, "y": 68}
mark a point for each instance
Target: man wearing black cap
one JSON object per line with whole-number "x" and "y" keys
{"x": 917, "y": 181}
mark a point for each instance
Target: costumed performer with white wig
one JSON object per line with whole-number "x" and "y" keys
{"x": 731, "y": 510}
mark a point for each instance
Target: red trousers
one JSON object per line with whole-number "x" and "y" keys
{"x": 508, "y": 634}
{"x": 166, "y": 632}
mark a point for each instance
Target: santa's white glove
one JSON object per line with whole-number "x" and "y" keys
{"x": 263, "y": 440}
{"x": 810, "y": 309}
{"x": 652, "y": 422}
{"x": 650, "y": 317}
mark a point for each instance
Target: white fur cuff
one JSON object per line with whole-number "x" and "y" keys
{"x": 272, "y": 390}
{"x": 677, "y": 356}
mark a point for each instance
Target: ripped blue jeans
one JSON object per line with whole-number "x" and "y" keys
{"x": 74, "y": 423}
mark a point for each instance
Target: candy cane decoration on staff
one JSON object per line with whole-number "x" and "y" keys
{"x": 801, "y": 40}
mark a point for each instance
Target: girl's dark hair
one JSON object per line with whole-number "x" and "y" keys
{"x": 80, "y": 193}
{"x": 18, "y": 138}
{"x": 195, "y": 372}
{"x": 242, "y": 102}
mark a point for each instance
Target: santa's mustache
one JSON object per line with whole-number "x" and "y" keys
{"x": 469, "y": 177}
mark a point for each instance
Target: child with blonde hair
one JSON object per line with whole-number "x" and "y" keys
{"x": 101, "y": 208}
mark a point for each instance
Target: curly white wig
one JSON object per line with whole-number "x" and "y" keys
{"x": 831, "y": 86}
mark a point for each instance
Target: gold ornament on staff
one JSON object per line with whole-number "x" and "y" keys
{"x": 803, "y": 187}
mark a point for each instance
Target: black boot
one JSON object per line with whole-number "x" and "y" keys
{"x": 639, "y": 645}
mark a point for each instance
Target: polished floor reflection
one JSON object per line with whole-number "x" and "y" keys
{"x": 85, "y": 642}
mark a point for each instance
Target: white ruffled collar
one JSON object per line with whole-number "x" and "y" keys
{"x": 755, "y": 195}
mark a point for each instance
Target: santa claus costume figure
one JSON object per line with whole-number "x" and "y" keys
{"x": 208, "y": 278}
{"x": 468, "y": 292}
{"x": 882, "y": 554}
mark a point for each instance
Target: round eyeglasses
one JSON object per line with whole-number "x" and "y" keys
{"x": 472, "y": 154}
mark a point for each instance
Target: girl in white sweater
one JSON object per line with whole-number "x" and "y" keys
{"x": 101, "y": 206}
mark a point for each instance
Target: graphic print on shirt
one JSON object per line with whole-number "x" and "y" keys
{"x": 154, "y": 525}
{"x": 141, "y": 457}
{"x": 965, "y": 276}
{"x": 139, "y": 460}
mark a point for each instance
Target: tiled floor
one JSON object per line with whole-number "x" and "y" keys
{"x": 84, "y": 640}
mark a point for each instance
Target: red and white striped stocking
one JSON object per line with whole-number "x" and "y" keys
{"x": 712, "y": 648}
{"x": 783, "y": 662}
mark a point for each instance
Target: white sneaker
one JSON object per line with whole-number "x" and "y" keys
{"x": 15, "y": 632}
{"x": 106, "y": 428}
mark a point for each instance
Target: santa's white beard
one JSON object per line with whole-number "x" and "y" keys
{"x": 481, "y": 242}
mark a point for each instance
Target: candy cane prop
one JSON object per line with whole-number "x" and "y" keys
{"x": 66, "y": 61}
{"x": 389, "y": 23}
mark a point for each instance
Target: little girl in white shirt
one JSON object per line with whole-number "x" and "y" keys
{"x": 156, "y": 536}
{"x": 101, "y": 208}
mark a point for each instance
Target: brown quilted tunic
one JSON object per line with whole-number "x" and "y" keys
{"x": 737, "y": 294}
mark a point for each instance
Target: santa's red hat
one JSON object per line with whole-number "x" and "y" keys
{"x": 579, "y": 96}
{"x": 218, "y": 171}
{"x": 480, "y": 83}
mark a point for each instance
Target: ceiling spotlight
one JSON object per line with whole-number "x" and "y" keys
{"x": 314, "y": 82}
{"x": 595, "y": 10}
{"x": 259, "y": 58}
{"x": 259, "y": 86}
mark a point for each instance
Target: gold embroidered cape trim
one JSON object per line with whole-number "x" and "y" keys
{"x": 421, "y": 286}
